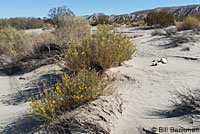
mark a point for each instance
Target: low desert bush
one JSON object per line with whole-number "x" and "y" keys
{"x": 104, "y": 49}
{"x": 159, "y": 19}
{"x": 4, "y": 23}
{"x": 16, "y": 43}
{"x": 26, "y": 23}
{"x": 72, "y": 91}
{"x": 188, "y": 23}
{"x": 71, "y": 27}
{"x": 12, "y": 41}
{"x": 38, "y": 41}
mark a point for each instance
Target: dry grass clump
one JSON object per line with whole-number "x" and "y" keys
{"x": 188, "y": 23}
{"x": 70, "y": 28}
{"x": 104, "y": 49}
{"x": 187, "y": 103}
{"x": 72, "y": 91}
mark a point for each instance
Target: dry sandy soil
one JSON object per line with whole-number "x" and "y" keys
{"x": 146, "y": 91}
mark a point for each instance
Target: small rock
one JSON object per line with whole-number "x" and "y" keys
{"x": 154, "y": 63}
{"x": 163, "y": 60}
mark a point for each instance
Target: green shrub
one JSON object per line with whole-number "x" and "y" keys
{"x": 71, "y": 27}
{"x": 26, "y": 23}
{"x": 159, "y": 19}
{"x": 106, "y": 48}
{"x": 188, "y": 23}
{"x": 72, "y": 91}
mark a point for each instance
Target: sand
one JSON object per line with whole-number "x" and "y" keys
{"x": 146, "y": 91}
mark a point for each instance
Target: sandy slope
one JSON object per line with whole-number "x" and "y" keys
{"x": 146, "y": 90}
{"x": 149, "y": 91}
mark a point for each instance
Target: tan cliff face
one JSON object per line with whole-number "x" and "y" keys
{"x": 176, "y": 11}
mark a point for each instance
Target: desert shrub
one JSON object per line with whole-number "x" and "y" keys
{"x": 72, "y": 91}
{"x": 159, "y": 19}
{"x": 4, "y": 23}
{"x": 188, "y": 23}
{"x": 71, "y": 27}
{"x": 26, "y": 23}
{"x": 104, "y": 49}
{"x": 17, "y": 43}
{"x": 38, "y": 41}
{"x": 197, "y": 16}
{"x": 101, "y": 20}
{"x": 57, "y": 13}
{"x": 187, "y": 103}
{"x": 12, "y": 41}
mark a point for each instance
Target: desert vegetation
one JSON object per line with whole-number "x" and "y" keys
{"x": 159, "y": 19}
{"x": 72, "y": 91}
{"x": 14, "y": 43}
{"x": 57, "y": 13}
{"x": 100, "y": 51}
{"x": 86, "y": 58}
{"x": 22, "y": 23}
{"x": 70, "y": 28}
{"x": 190, "y": 22}
{"x": 186, "y": 103}
{"x": 87, "y": 55}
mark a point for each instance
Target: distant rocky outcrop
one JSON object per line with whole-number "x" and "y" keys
{"x": 176, "y": 11}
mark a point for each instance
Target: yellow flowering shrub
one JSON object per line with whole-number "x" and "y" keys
{"x": 104, "y": 49}
{"x": 72, "y": 91}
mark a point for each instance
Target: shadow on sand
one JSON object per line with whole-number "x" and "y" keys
{"x": 22, "y": 126}
{"x": 23, "y": 95}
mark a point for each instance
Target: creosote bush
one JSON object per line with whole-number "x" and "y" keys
{"x": 70, "y": 28}
{"x": 72, "y": 91}
{"x": 159, "y": 19}
{"x": 188, "y": 23}
{"x": 104, "y": 49}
